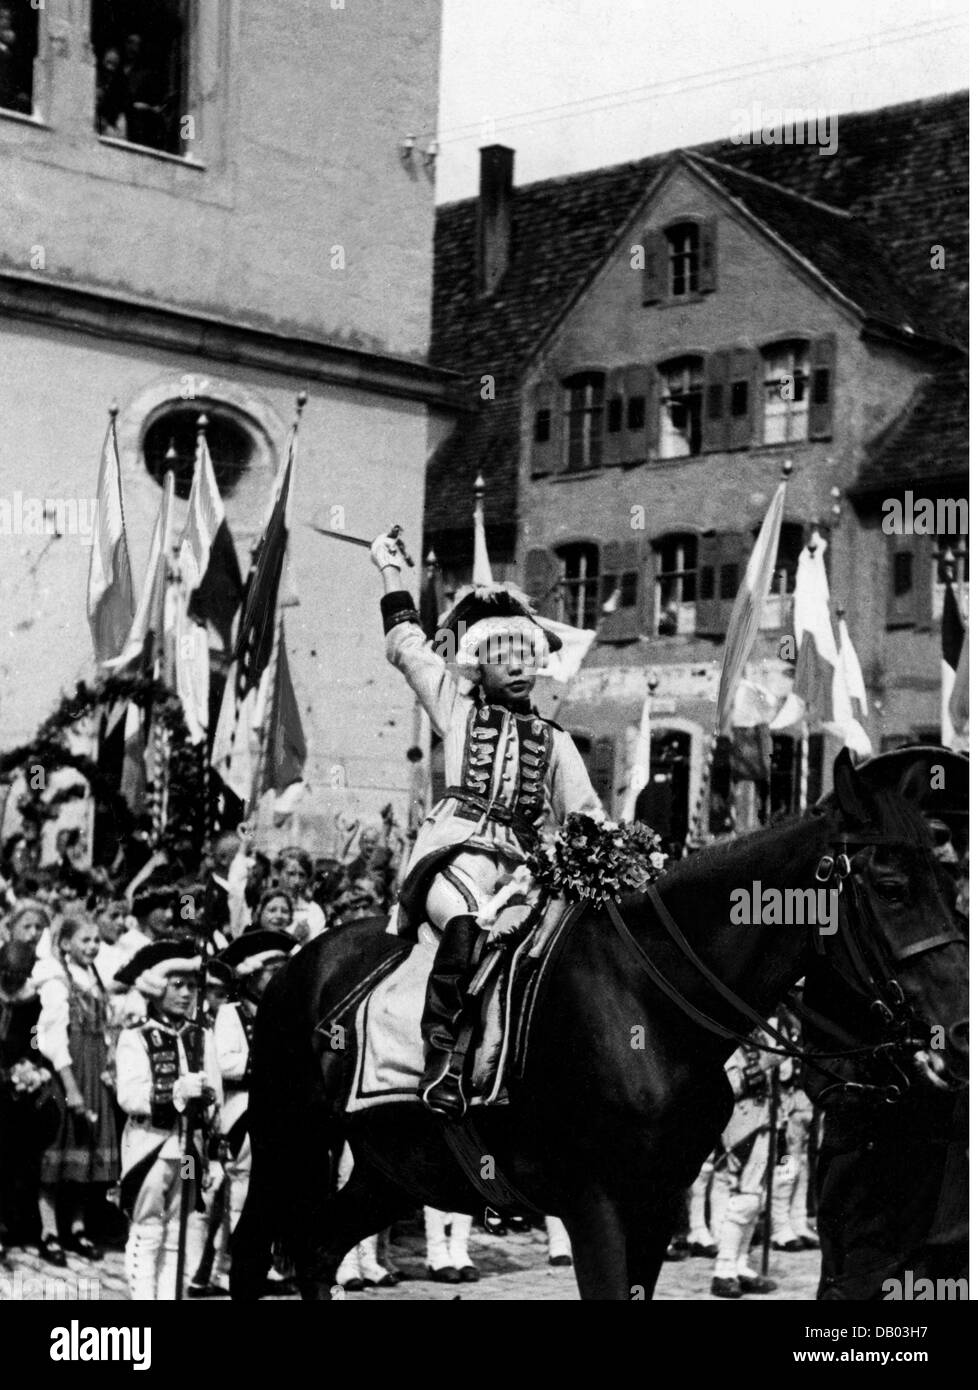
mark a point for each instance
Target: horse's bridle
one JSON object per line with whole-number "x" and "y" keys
{"x": 872, "y": 961}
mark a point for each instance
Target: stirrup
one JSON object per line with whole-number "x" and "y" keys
{"x": 453, "y": 1103}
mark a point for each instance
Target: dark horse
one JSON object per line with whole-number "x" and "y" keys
{"x": 892, "y": 1172}
{"x": 624, "y": 1092}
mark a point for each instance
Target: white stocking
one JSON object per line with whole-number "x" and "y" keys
{"x": 458, "y": 1247}
{"x": 435, "y": 1239}
{"x": 558, "y": 1241}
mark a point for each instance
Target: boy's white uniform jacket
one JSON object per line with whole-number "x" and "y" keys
{"x": 149, "y": 1060}
{"x": 508, "y": 775}
{"x": 232, "y": 1045}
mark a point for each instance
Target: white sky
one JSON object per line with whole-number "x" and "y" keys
{"x": 503, "y": 60}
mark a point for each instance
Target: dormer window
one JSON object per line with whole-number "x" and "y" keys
{"x": 684, "y": 258}
{"x": 679, "y": 260}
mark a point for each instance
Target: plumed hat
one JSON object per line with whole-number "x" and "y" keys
{"x": 150, "y": 966}
{"x": 249, "y": 952}
{"x": 485, "y": 617}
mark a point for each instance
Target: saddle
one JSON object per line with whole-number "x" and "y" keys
{"x": 380, "y": 1018}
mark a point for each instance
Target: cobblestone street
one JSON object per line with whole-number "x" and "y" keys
{"x": 513, "y": 1268}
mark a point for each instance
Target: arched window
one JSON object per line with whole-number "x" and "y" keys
{"x": 681, "y": 408}
{"x": 584, "y": 420}
{"x": 170, "y": 443}
{"x": 787, "y": 370}
{"x": 580, "y": 565}
{"x": 675, "y": 585}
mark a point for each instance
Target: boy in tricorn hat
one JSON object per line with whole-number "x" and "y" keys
{"x": 509, "y": 775}
{"x": 163, "y": 1067}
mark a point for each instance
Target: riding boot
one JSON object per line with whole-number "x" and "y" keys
{"x": 441, "y": 1085}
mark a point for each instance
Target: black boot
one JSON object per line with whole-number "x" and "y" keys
{"x": 441, "y": 1085}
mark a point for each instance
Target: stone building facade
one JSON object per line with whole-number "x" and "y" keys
{"x": 257, "y": 234}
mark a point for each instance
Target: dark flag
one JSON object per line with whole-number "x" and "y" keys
{"x": 285, "y": 756}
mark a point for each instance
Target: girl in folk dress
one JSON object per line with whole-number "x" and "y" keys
{"x": 73, "y": 1034}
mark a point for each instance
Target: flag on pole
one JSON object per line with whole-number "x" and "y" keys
{"x": 110, "y": 592}
{"x": 146, "y": 628}
{"x": 852, "y": 671}
{"x": 816, "y": 655}
{"x": 208, "y": 559}
{"x": 748, "y": 608}
{"x": 286, "y": 753}
{"x": 957, "y": 705}
{"x": 242, "y": 703}
{"x": 952, "y": 646}
{"x": 481, "y": 568}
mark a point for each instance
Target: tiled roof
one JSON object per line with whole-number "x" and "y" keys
{"x": 928, "y": 442}
{"x": 901, "y": 172}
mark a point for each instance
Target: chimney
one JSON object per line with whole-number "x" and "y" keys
{"x": 494, "y": 216}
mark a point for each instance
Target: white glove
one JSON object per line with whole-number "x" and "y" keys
{"x": 189, "y": 1087}
{"x": 384, "y": 552}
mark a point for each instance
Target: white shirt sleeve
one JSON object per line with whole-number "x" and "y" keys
{"x": 426, "y": 673}
{"x": 133, "y": 1073}
{"x": 52, "y": 1025}
{"x": 571, "y": 789}
{"x": 230, "y": 1043}
{"x": 213, "y": 1071}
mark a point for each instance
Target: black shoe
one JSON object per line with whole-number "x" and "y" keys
{"x": 757, "y": 1283}
{"x": 354, "y": 1285}
{"x": 675, "y": 1252}
{"x": 700, "y": 1251}
{"x": 494, "y": 1223}
{"x": 280, "y": 1288}
{"x": 208, "y": 1290}
{"x": 386, "y": 1281}
{"x": 79, "y": 1244}
{"x": 50, "y": 1249}
{"x": 727, "y": 1288}
{"x": 809, "y": 1242}
{"x": 560, "y": 1261}
{"x": 791, "y": 1246}
{"x": 448, "y": 1274}
{"x": 518, "y": 1225}
{"x": 468, "y": 1274}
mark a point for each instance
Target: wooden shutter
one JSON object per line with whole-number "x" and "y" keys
{"x": 614, "y": 414}
{"x": 638, "y": 383}
{"x": 620, "y": 560}
{"x": 822, "y": 388}
{"x": 545, "y": 453}
{"x": 541, "y": 574}
{"x": 654, "y": 279}
{"x": 743, "y": 382}
{"x": 708, "y": 255}
{"x": 708, "y": 585}
{"x": 725, "y": 555}
{"x": 716, "y": 375}
{"x": 911, "y": 557}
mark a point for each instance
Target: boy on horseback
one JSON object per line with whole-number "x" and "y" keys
{"x": 510, "y": 774}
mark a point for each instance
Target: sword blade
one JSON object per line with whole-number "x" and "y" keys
{"x": 340, "y": 535}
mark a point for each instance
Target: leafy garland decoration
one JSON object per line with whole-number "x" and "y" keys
{"x": 589, "y": 859}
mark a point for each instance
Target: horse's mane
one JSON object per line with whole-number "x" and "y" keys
{"x": 738, "y": 856}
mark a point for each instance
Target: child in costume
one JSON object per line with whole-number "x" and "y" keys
{"x": 510, "y": 775}
{"x": 163, "y": 1068}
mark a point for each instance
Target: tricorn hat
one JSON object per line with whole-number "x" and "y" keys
{"x": 148, "y": 969}
{"x": 252, "y": 950}
{"x": 486, "y": 616}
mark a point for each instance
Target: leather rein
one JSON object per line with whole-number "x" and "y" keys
{"x": 873, "y": 975}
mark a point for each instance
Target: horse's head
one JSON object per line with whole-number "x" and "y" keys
{"x": 901, "y": 944}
